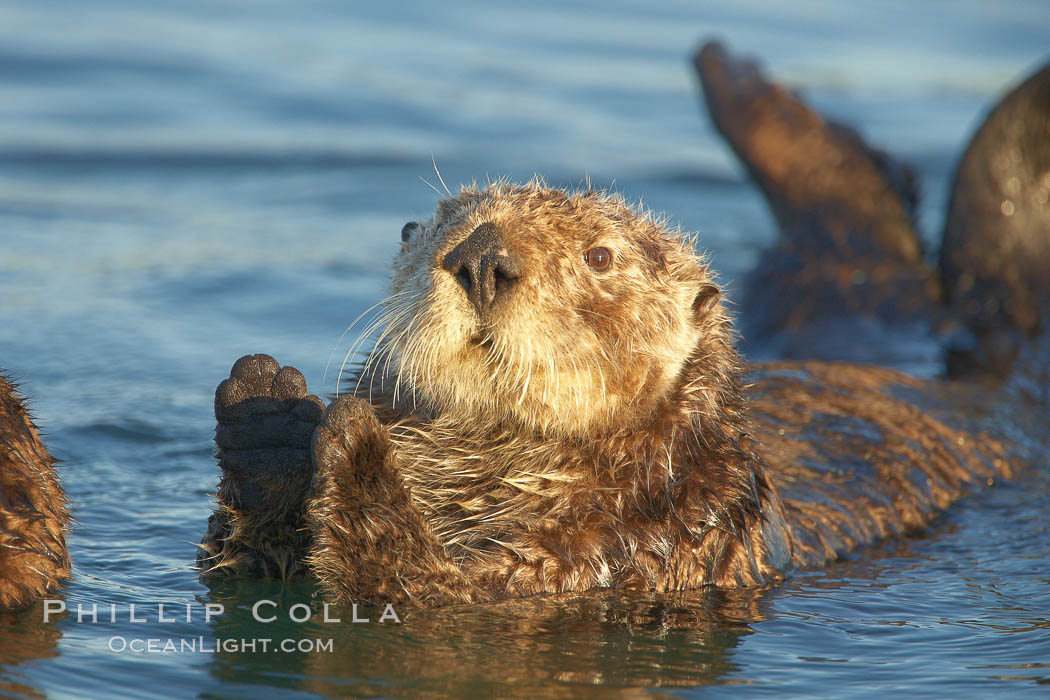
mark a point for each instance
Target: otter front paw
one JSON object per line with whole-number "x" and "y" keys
{"x": 351, "y": 444}
{"x": 370, "y": 540}
{"x": 265, "y": 426}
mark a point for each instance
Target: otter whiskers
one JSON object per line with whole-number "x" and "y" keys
{"x": 381, "y": 319}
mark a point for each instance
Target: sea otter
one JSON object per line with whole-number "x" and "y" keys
{"x": 34, "y": 514}
{"x": 848, "y": 269}
{"x": 555, "y": 403}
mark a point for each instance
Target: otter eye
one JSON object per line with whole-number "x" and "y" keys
{"x": 598, "y": 258}
{"x": 407, "y": 230}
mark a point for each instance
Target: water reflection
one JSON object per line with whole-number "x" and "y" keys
{"x": 544, "y": 646}
{"x": 24, "y": 638}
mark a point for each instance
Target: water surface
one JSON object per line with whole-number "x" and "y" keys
{"x": 184, "y": 183}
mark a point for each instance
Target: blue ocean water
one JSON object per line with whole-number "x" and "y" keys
{"x": 182, "y": 183}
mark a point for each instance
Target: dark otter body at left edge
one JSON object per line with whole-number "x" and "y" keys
{"x": 34, "y": 514}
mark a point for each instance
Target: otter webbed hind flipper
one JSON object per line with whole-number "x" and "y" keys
{"x": 847, "y": 260}
{"x": 34, "y": 513}
{"x": 266, "y": 422}
{"x": 995, "y": 254}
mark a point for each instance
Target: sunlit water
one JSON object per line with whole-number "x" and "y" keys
{"x": 187, "y": 183}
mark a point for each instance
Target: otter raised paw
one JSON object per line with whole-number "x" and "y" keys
{"x": 266, "y": 421}
{"x": 370, "y": 538}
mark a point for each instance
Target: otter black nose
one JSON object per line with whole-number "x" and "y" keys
{"x": 484, "y": 266}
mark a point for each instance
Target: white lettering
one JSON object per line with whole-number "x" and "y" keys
{"x": 131, "y": 615}
{"x": 291, "y": 612}
{"x": 259, "y": 604}
{"x": 389, "y": 614}
{"x": 81, "y": 615}
{"x": 327, "y": 618}
{"x": 211, "y": 609}
{"x": 53, "y": 606}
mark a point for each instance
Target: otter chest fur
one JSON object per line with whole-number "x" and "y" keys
{"x": 554, "y": 403}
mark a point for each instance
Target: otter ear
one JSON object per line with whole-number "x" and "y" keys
{"x": 706, "y": 298}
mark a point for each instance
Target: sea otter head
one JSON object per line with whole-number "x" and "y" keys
{"x": 567, "y": 314}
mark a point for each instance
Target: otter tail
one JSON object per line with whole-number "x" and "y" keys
{"x": 848, "y": 265}
{"x": 846, "y": 279}
{"x": 995, "y": 255}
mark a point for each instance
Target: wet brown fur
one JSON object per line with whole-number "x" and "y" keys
{"x": 594, "y": 430}
{"x": 34, "y": 514}
{"x": 587, "y": 429}
{"x": 847, "y": 245}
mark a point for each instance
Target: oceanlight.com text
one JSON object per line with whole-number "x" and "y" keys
{"x": 204, "y": 645}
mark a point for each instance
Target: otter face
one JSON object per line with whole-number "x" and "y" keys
{"x": 569, "y": 314}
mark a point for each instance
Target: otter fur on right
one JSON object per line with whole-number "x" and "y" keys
{"x": 554, "y": 403}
